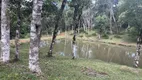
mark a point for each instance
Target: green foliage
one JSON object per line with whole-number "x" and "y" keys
{"x": 101, "y": 20}
{"x": 105, "y": 36}
{"x": 101, "y": 23}
{"x": 48, "y": 13}
{"x": 131, "y": 13}
{"x": 117, "y": 36}
{"x": 127, "y": 38}
{"x": 132, "y": 34}
{"x": 82, "y": 31}
{"x": 94, "y": 34}
{"x": 132, "y": 31}
{"x": 127, "y": 14}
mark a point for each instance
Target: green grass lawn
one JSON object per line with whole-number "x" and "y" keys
{"x": 64, "y": 68}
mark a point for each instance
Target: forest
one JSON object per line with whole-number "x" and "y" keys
{"x": 70, "y": 39}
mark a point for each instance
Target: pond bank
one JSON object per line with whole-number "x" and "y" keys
{"x": 64, "y": 68}
{"x": 107, "y": 41}
{"x": 90, "y": 39}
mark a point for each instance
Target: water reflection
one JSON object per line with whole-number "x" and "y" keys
{"x": 43, "y": 44}
{"x": 109, "y": 53}
{"x": 62, "y": 53}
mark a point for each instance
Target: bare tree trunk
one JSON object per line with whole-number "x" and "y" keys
{"x": 110, "y": 22}
{"x": 65, "y": 40}
{"x": 0, "y": 30}
{"x": 75, "y": 25}
{"x": 71, "y": 28}
{"x": 34, "y": 36}
{"x": 17, "y": 44}
{"x": 5, "y": 31}
{"x": 59, "y": 16}
{"x": 111, "y": 16}
{"x": 76, "y": 18}
{"x": 137, "y": 55}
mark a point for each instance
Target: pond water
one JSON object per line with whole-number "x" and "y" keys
{"x": 95, "y": 50}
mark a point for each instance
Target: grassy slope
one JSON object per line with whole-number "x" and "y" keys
{"x": 122, "y": 40}
{"x": 63, "y": 68}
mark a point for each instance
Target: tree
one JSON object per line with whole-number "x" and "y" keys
{"x": 107, "y": 8}
{"x": 58, "y": 18}
{"x": 0, "y": 27}
{"x": 78, "y": 6}
{"x": 5, "y": 31}
{"x": 18, "y": 29}
{"x": 137, "y": 55}
{"x": 35, "y": 36}
{"x": 87, "y": 18}
{"x": 101, "y": 23}
{"x": 76, "y": 19}
{"x": 111, "y": 15}
{"x": 130, "y": 14}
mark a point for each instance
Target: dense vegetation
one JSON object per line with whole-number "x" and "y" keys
{"x": 95, "y": 20}
{"x": 124, "y": 18}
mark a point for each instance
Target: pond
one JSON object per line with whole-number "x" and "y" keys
{"x": 95, "y": 50}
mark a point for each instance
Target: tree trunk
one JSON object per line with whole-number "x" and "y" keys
{"x": 58, "y": 18}
{"x": 34, "y": 36}
{"x": 65, "y": 40}
{"x": 111, "y": 16}
{"x": 76, "y": 18}
{"x": 5, "y": 31}
{"x": 110, "y": 22}
{"x": 137, "y": 55}
{"x": 18, "y": 30}
{"x": 0, "y": 30}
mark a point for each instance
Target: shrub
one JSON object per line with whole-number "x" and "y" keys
{"x": 117, "y": 36}
{"x": 94, "y": 34}
{"x": 105, "y": 36}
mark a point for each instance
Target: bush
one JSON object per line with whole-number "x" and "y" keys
{"x": 94, "y": 34}
{"x": 105, "y": 36}
{"x": 117, "y": 36}
{"x": 131, "y": 35}
{"x": 129, "y": 38}
{"x": 82, "y": 31}
{"x": 28, "y": 35}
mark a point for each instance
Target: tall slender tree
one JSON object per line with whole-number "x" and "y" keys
{"x": 0, "y": 28}
{"x": 111, "y": 15}
{"x": 58, "y": 18}
{"x": 78, "y": 6}
{"x": 76, "y": 18}
{"x": 5, "y": 31}
{"x": 137, "y": 55}
{"x": 35, "y": 36}
{"x": 18, "y": 29}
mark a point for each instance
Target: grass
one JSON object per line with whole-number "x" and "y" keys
{"x": 64, "y": 68}
{"x": 114, "y": 39}
{"x": 89, "y": 36}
